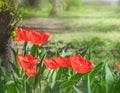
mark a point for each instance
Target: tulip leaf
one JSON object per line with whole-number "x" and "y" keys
{"x": 66, "y": 53}
{"x": 41, "y": 56}
{"x": 116, "y": 87}
{"x": 86, "y": 84}
{"x": 2, "y": 85}
{"x": 34, "y": 50}
{"x": 28, "y": 88}
{"x": 12, "y": 88}
{"x": 55, "y": 87}
{"x": 59, "y": 74}
{"x": 14, "y": 52}
{"x": 14, "y": 67}
{"x": 25, "y": 48}
{"x": 73, "y": 80}
{"x": 77, "y": 90}
{"x": 95, "y": 71}
{"x": 57, "y": 53}
{"x": 108, "y": 78}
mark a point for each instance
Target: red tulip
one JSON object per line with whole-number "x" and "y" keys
{"x": 118, "y": 65}
{"x": 38, "y": 37}
{"x": 80, "y": 65}
{"x": 63, "y": 62}
{"x": 31, "y": 35}
{"x": 51, "y": 63}
{"x": 20, "y": 35}
{"x": 31, "y": 71}
{"x": 28, "y": 63}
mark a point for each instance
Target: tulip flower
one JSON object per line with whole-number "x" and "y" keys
{"x": 80, "y": 65}
{"x": 63, "y": 62}
{"x": 32, "y": 36}
{"x": 51, "y": 63}
{"x": 28, "y": 64}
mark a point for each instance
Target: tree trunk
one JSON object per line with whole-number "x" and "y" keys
{"x": 54, "y": 9}
{"x": 5, "y": 39}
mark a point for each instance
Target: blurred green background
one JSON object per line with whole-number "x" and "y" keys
{"x": 77, "y": 24}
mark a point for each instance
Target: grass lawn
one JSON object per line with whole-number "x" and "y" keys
{"x": 69, "y": 36}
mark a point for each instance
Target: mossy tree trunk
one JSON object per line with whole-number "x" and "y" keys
{"x": 8, "y": 15}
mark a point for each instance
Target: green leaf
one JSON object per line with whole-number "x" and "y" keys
{"x": 86, "y": 84}
{"x": 12, "y": 88}
{"x": 95, "y": 71}
{"x": 59, "y": 74}
{"x": 116, "y": 88}
{"x": 13, "y": 34}
{"x": 57, "y": 53}
{"x": 14, "y": 52}
{"x": 88, "y": 56}
{"x": 41, "y": 56}
{"x": 25, "y": 48}
{"x": 73, "y": 80}
{"x": 34, "y": 50}
{"x": 77, "y": 90}
{"x": 2, "y": 85}
{"x": 65, "y": 53}
{"x": 108, "y": 78}
{"x": 9, "y": 82}
{"x": 28, "y": 88}
{"x": 15, "y": 68}
{"x": 55, "y": 87}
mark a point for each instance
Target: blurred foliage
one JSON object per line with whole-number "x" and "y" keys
{"x": 51, "y": 7}
{"x": 101, "y": 49}
{"x": 72, "y": 4}
{"x": 8, "y": 5}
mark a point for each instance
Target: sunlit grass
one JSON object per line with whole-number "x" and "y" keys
{"x": 77, "y": 35}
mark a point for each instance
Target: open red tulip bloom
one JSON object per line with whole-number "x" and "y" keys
{"x": 28, "y": 63}
{"x": 56, "y": 62}
{"x": 80, "y": 65}
{"x": 77, "y": 63}
{"x": 31, "y": 35}
{"x": 51, "y": 63}
{"x": 63, "y": 62}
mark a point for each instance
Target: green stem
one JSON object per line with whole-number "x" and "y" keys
{"x": 25, "y": 48}
{"x": 34, "y": 50}
{"x": 48, "y": 74}
{"x": 40, "y": 87}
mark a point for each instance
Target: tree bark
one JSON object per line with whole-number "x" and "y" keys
{"x": 5, "y": 39}
{"x": 54, "y": 9}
